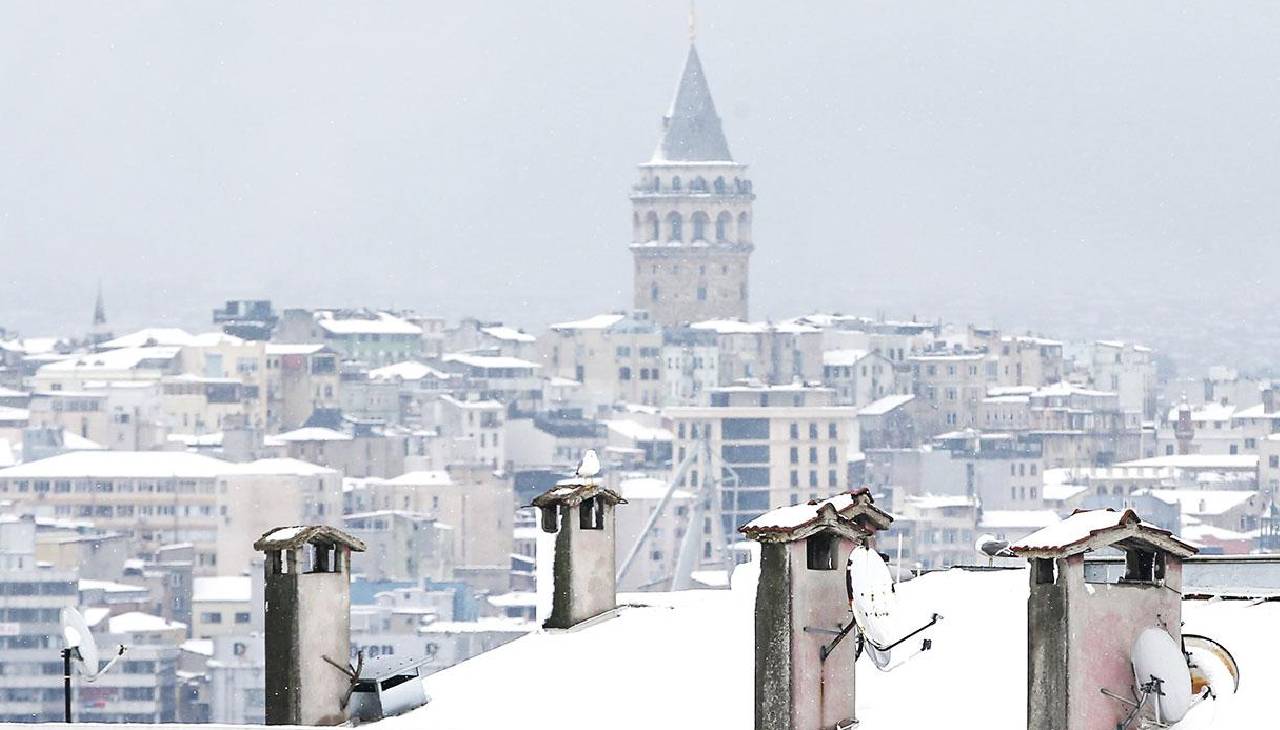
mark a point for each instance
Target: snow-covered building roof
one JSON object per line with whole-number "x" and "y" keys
{"x": 424, "y": 478}
{"x": 122, "y": 464}
{"x": 1088, "y": 530}
{"x": 295, "y": 536}
{"x": 380, "y": 323}
{"x": 508, "y": 334}
{"x": 128, "y": 358}
{"x": 490, "y": 362}
{"x": 222, "y": 588}
{"x": 649, "y": 488}
{"x": 314, "y": 433}
{"x": 694, "y": 650}
{"x": 9, "y": 414}
{"x": 1006, "y": 519}
{"x": 598, "y": 322}
{"x": 151, "y": 337}
{"x": 795, "y": 521}
{"x": 638, "y": 431}
{"x": 882, "y": 406}
{"x": 410, "y": 370}
{"x": 1199, "y": 462}
{"x": 135, "y": 622}
{"x": 1203, "y": 501}
{"x": 843, "y": 358}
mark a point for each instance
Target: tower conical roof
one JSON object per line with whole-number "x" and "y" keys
{"x": 691, "y": 129}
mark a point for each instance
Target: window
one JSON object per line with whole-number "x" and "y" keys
{"x": 624, "y": 373}
{"x": 675, "y": 227}
{"x": 831, "y": 454}
{"x": 591, "y": 514}
{"x": 550, "y": 519}
{"x": 1143, "y": 566}
{"x": 813, "y": 478}
{"x": 702, "y": 294}
{"x": 813, "y": 454}
{"x": 795, "y": 432}
{"x": 813, "y": 430}
{"x": 795, "y": 455}
{"x": 1043, "y": 571}
{"x": 243, "y": 617}
{"x": 832, "y": 480}
{"x": 820, "y": 551}
{"x": 211, "y": 617}
{"x": 795, "y": 478}
{"x": 833, "y": 431}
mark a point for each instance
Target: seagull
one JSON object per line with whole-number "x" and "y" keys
{"x": 589, "y": 466}
{"x": 991, "y": 547}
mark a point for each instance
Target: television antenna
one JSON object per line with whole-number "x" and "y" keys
{"x": 83, "y": 649}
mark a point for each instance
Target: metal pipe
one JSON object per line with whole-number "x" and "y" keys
{"x": 66, "y": 685}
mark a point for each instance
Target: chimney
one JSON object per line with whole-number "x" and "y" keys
{"x": 307, "y": 589}
{"x": 580, "y": 511}
{"x": 1269, "y": 399}
{"x": 1082, "y": 621}
{"x": 804, "y": 670}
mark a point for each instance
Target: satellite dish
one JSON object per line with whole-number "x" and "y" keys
{"x": 1211, "y": 666}
{"x": 83, "y": 647}
{"x": 890, "y": 634}
{"x": 1160, "y": 667}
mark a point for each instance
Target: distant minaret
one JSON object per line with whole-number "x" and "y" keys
{"x": 692, "y": 213}
{"x": 99, "y": 334}
{"x": 1183, "y": 429}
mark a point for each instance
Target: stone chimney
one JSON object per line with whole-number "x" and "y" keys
{"x": 1082, "y": 623}
{"x": 804, "y": 670}
{"x": 1269, "y": 399}
{"x": 307, "y": 588}
{"x": 580, "y": 511}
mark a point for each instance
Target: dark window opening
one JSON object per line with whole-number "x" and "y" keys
{"x": 591, "y": 514}
{"x": 821, "y": 549}
{"x": 1143, "y": 566}
{"x": 1042, "y": 571}
{"x": 550, "y": 519}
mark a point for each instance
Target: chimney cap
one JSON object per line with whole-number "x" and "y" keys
{"x": 574, "y": 491}
{"x": 295, "y": 536}
{"x": 1093, "y": 529}
{"x": 853, "y": 511}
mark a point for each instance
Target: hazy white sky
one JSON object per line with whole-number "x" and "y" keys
{"x": 1007, "y": 159}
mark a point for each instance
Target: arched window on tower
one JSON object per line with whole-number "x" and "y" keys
{"x": 723, "y": 221}
{"x": 699, "y": 185}
{"x": 675, "y": 226}
{"x": 701, "y": 221}
{"x": 719, "y": 185}
{"x": 655, "y": 228}
{"x": 653, "y": 292}
{"x": 635, "y": 227}
{"x": 675, "y": 184}
{"x": 744, "y": 228}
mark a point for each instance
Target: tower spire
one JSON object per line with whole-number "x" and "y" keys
{"x": 693, "y": 22}
{"x": 99, "y": 308}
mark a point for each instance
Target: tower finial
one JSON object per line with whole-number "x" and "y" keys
{"x": 693, "y": 22}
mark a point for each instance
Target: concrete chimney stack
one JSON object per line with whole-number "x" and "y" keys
{"x": 1082, "y": 625}
{"x": 307, "y": 588}
{"x": 804, "y": 672}
{"x": 580, "y": 511}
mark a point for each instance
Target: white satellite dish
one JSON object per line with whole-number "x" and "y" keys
{"x": 890, "y": 634}
{"x": 1160, "y": 669}
{"x": 82, "y": 646}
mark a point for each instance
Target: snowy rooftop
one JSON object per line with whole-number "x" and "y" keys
{"x": 794, "y": 519}
{"x": 229, "y": 588}
{"x": 508, "y": 334}
{"x": 426, "y": 478}
{"x": 842, "y": 358}
{"x": 1091, "y": 529}
{"x": 638, "y": 431}
{"x": 314, "y": 433}
{"x": 138, "y": 622}
{"x": 598, "y": 322}
{"x": 694, "y": 650}
{"x": 1227, "y": 462}
{"x": 1203, "y": 501}
{"x": 1005, "y": 519}
{"x": 380, "y": 323}
{"x": 886, "y": 404}
{"x": 649, "y": 488}
{"x": 407, "y": 370}
{"x": 150, "y": 337}
{"x": 490, "y": 362}
{"x": 128, "y": 358}
{"x": 123, "y": 464}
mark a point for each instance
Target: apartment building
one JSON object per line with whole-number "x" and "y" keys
{"x": 861, "y": 377}
{"x": 371, "y": 337}
{"x": 616, "y": 357}
{"x": 767, "y": 446}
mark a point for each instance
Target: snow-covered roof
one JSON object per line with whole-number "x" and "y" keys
{"x": 1202, "y": 501}
{"x": 649, "y": 488}
{"x": 295, "y": 536}
{"x": 731, "y": 327}
{"x": 490, "y": 362}
{"x": 380, "y": 323}
{"x": 122, "y": 464}
{"x": 1200, "y": 533}
{"x": 694, "y": 650}
{"x": 939, "y": 501}
{"x": 138, "y": 622}
{"x": 881, "y": 406}
{"x": 843, "y": 358}
{"x": 425, "y": 478}
{"x": 128, "y": 358}
{"x": 508, "y": 334}
{"x": 638, "y": 431}
{"x": 598, "y": 322}
{"x": 407, "y": 370}
{"x": 222, "y": 588}
{"x": 796, "y": 521}
{"x": 1092, "y": 529}
{"x": 1059, "y": 492}
{"x": 150, "y": 337}
{"x": 107, "y": 586}
{"x": 203, "y": 647}
{"x": 1206, "y": 462}
{"x": 1207, "y": 412}
{"x": 314, "y": 433}
{"x": 486, "y": 404}
{"x": 14, "y": 414}
{"x": 282, "y": 465}
{"x": 293, "y": 349}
